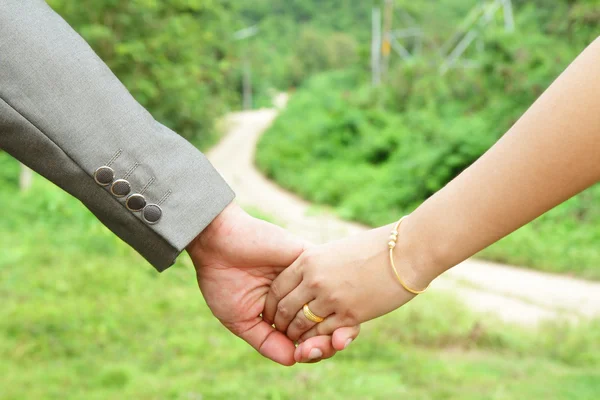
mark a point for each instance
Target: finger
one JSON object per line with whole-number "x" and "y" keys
{"x": 342, "y": 337}
{"x": 340, "y": 340}
{"x": 287, "y": 280}
{"x": 298, "y": 326}
{"x": 301, "y": 324}
{"x": 321, "y": 346}
{"x": 290, "y": 305}
{"x": 326, "y": 327}
{"x": 270, "y": 342}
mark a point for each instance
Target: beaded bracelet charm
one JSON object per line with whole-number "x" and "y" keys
{"x": 392, "y": 245}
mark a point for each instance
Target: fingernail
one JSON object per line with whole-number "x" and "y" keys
{"x": 347, "y": 343}
{"x": 314, "y": 354}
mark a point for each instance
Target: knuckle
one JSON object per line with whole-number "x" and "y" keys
{"x": 309, "y": 258}
{"x": 282, "y": 310}
{"x": 302, "y": 324}
{"x": 321, "y": 329}
{"x": 316, "y": 283}
{"x": 333, "y": 298}
{"x": 350, "y": 317}
{"x": 294, "y": 271}
{"x": 276, "y": 291}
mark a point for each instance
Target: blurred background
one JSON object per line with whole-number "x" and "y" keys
{"x": 383, "y": 93}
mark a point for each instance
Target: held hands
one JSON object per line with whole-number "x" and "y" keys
{"x": 237, "y": 257}
{"x": 346, "y": 282}
{"x": 246, "y": 267}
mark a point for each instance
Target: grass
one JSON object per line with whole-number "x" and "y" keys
{"x": 84, "y": 317}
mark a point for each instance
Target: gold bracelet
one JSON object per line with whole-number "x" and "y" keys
{"x": 391, "y": 245}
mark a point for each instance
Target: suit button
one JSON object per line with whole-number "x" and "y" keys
{"x": 135, "y": 202}
{"x": 120, "y": 188}
{"x": 152, "y": 213}
{"x": 104, "y": 176}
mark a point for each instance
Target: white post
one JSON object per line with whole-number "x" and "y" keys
{"x": 247, "y": 82}
{"x": 509, "y": 20}
{"x": 247, "y": 69}
{"x": 25, "y": 178}
{"x": 386, "y": 47}
{"x": 376, "y": 47}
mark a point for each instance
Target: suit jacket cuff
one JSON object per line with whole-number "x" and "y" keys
{"x": 64, "y": 113}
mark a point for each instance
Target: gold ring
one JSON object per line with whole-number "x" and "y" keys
{"x": 311, "y": 316}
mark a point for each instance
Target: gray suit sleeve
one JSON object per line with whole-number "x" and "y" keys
{"x": 64, "y": 114}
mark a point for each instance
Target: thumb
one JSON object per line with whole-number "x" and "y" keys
{"x": 342, "y": 337}
{"x": 276, "y": 246}
{"x": 270, "y": 343}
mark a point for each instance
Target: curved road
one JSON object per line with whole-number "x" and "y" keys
{"x": 515, "y": 295}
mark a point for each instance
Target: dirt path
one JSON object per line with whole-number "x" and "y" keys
{"x": 514, "y": 294}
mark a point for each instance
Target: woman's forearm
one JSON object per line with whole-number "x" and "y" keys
{"x": 549, "y": 155}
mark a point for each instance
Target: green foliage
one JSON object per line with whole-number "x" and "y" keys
{"x": 83, "y": 316}
{"x": 175, "y": 57}
{"x": 298, "y": 38}
{"x": 316, "y": 52}
{"x": 179, "y": 58}
{"x": 377, "y": 153}
{"x": 350, "y": 152}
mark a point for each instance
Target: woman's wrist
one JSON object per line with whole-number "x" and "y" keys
{"x": 415, "y": 255}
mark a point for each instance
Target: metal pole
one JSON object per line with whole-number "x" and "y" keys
{"x": 401, "y": 50}
{"x": 407, "y": 33}
{"x": 458, "y": 51}
{"x": 464, "y": 43}
{"x": 376, "y": 47}
{"x": 464, "y": 26}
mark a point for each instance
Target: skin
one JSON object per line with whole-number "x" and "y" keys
{"x": 237, "y": 257}
{"x": 548, "y": 156}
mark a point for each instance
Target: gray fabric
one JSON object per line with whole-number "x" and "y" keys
{"x": 64, "y": 113}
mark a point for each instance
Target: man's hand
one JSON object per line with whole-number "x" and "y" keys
{"x": 237, "y": 257}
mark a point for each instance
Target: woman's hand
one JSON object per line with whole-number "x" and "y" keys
{"x": 346, "y": 282}
{"x": 236, "y": 259}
